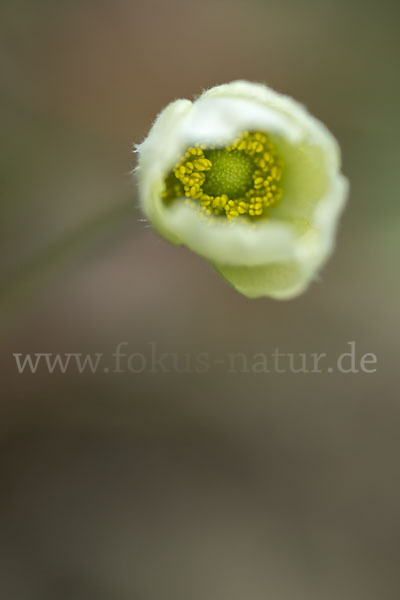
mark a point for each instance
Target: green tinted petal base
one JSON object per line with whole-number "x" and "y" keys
{"x": 278, "y": 280}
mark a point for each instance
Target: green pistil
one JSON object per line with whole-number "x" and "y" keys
{"x": 231, "y": 173}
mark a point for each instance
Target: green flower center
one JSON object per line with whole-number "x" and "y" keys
{"x": 241, "y": 179}
{"x": 231, "y": 173}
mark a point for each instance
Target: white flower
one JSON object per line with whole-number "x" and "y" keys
{"x": 248, "y": 179}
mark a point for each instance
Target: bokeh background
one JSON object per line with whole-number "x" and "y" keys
{"x": 210, "y": 485}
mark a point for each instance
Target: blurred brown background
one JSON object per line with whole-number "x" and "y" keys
{"x": 212, "y": 485}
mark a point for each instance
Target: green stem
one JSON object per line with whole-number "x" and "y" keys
{"x": 19, "y": 284}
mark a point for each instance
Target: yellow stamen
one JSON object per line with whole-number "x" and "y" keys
{"x": 241, "y": 179}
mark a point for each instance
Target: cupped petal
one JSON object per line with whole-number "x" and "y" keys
{"x": 157, "y": 155}
{"x": 284, "y": 280}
